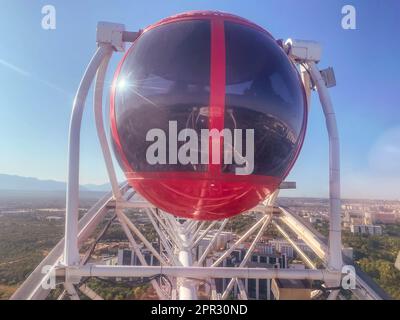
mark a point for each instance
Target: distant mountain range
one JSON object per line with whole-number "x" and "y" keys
{"x": 14, "y": 182}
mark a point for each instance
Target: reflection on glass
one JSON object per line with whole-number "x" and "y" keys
{"x": 166, "y": 77}
{"x": 263, "y": 92}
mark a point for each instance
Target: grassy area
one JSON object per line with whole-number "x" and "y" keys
{"x": 115, "y": 290}
{"x": 6, "y": 291}
{"x": 24, "y": 241}
{"x": 375, "y": 255}
{"x": 240, "y": 223}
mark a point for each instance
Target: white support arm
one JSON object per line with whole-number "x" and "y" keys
{"x": 71, "y": 253}
{"x": 98, "y": 115}
{"x": 335, "y": 241}
{"x": 109, "y": 37}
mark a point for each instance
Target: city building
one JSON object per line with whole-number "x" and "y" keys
{"x": 366, "y": 229}
{"x": 381, "y": 217}
{"x": 255, "y": 288}
{"x": 127, "y": 257}
{"x": 353, "y": 217}
{"x": 284, "y": 247}
{"x": 222, "y": 241}
{"x": 286, "y": 289}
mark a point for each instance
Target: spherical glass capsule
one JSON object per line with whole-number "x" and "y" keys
{"x": 208, "y": 115}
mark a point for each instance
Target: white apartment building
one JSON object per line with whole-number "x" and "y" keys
{"x": 366, "y": 229}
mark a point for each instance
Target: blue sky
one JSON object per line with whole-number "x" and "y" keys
{"x": 40, "y": 71}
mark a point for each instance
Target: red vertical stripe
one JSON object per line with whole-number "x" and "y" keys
{"x": 217, "y": 86}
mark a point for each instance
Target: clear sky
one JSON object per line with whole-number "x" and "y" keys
{"x": 40, "y": 71}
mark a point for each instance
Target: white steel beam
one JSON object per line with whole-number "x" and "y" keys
{"x": 242, "y": 290}
{"x": 137, "y": 232}
{"x": 247, "y": 256}
{"x": 187, "y": 288}
{"x": 167, "y": 246}
{"x": 172, "y": 236}
{"x": 312, "y": 240}
{"x": 199, "y": 228}
{"x": 98, "y": 116}
{"x": 203, "y": 234}
{"x": 211, "y": 243}
{"x": 139, "y": 254}
{"x": 335, "y": 228}
{"x": 242, "y": 238}
{"x": 214, "y": 295}
{"x": 302, "y": 254}
{"x": 71, "y": 252}
{"x": 92, "y": 270}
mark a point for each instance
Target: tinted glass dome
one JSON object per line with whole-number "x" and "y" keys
{"x": 199, "y": 73}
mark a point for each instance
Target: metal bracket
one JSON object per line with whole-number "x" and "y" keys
{"x": 111, "y": 33}
{"x": 303, "y": 50}
{"x": 328, "y": 75}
